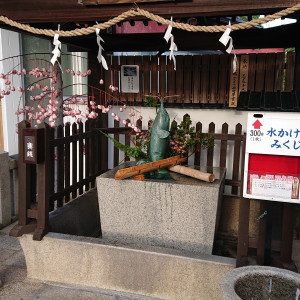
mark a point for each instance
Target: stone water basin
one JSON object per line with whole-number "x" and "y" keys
{"x": 182, "y": 213}
{"x": 261, "y": 283}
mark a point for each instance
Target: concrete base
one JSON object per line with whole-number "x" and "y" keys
{"x": 150, "y": 271}
{"x": 181, "y": 213}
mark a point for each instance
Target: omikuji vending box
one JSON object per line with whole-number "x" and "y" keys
{"x": 272, "y": 162}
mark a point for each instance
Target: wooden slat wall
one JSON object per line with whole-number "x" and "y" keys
{"x": 202, "y": 79}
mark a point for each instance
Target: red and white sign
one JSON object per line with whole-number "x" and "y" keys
{"x": 277, "y": 134}
{"x": 272, "y": 162}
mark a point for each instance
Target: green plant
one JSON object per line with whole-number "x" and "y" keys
{"x": 136, "y": 152}
{"x": 151, "y": 102}
{"x": 184, "y": 140}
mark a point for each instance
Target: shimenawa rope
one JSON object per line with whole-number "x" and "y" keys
{"x": 134, "y": 12}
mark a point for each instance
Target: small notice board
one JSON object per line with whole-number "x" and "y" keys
{"x": 272, "y": 162}
{"x": 130, "y": 78}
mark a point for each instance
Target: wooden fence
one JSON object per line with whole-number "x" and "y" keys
{"x": 80, "y": 153}
{"x": 201, "y": 80}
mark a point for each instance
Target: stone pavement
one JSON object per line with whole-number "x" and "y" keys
{"x": 17, "y": 287}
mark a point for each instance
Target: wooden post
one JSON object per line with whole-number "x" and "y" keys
{"x": 243, "y": 234}
{"x": 261, "y": 239}
{"x": 286, "y": 245}
{"x": 43, "y": 170}
{"x": 24, "y": 172}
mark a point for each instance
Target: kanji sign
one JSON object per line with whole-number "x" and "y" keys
{"x": 33, "y": 145}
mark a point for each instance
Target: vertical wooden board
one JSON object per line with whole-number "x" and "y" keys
{"x": 130, "y": 61}
{"x": 236, "y": 159}
{"x": 204, "y": 98}
{"x": 210, "y": 150}
{"x": 162, "y": 76}
{"x": 154, "y": 75}
{"x": 286, "y": 246}
{"x": 261, "y": 234}
{"x": 244, "y": 213}
{"x": 92, "y": 152}
{"x": 139, "y": 96}
{"x": 223, "y": 78}
{"x": 260, "y": 72}
{"x": 96, "y": 147}
{"x": 74, "y": 160}
{"x": 234, "y": 85}
{"x": 123, "y": 62}
{"x": 270, "y": 72}
{"x": 51, "y": 171}
{"x": 179, "y": 79}
{"x": 297, "y": 70}
{"x": 244, "y": 69}
{"x": 146, "y": 75}
{"x": 279, "y": 69}
{"x": 171, "y": 91}
{"x": 243, "y": 233}
{"x": 290, "y": 67}
{"x": 187, "y": 78}
{"x": 198, "y": 154}
{"x": 252, "y": 72}
{"x": 80, "y": 159}
{"x": 98, "y": 137}
{"x": 116, "y": 150}
{"x": 103, "y": 154}
{"x": 86, "y": 152}
{"x": 223, "y": 150}
{"x": 42, "y": 189}
{"x": 60, "y": 165}
{"x": 196, "y": 78}
{"x": 213, "y": 80}
{"x": 127, "y": 140}
{"x": 67, "y": 161}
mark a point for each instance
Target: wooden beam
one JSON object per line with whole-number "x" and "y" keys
{"x": 283, "y": 37}
{"x": 31, "y": 11}
{"x": 101, "y": 2}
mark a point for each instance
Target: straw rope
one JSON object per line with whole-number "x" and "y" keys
{"x": 140, "y": 12}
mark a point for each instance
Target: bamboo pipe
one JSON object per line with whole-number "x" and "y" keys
{"x": 193, "y": 173}
{"x": 148, "y": 167}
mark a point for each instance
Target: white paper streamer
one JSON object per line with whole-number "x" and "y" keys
{"x": 297, "y": 294}
{"x": 100, "y": 57}
{"x": 225, "y": 39}
{"x": 56, "y": 50}
{"x": 173, "y": 47}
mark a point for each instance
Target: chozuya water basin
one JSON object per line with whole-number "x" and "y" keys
{"x": 261, "y": 283}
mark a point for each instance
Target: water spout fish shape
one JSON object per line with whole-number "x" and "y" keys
{"x": 159, "y": 142}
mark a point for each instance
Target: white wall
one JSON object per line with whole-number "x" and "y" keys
{"x": 10, "y": 46}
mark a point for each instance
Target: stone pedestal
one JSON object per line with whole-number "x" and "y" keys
{"x": 181, "y": 213}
